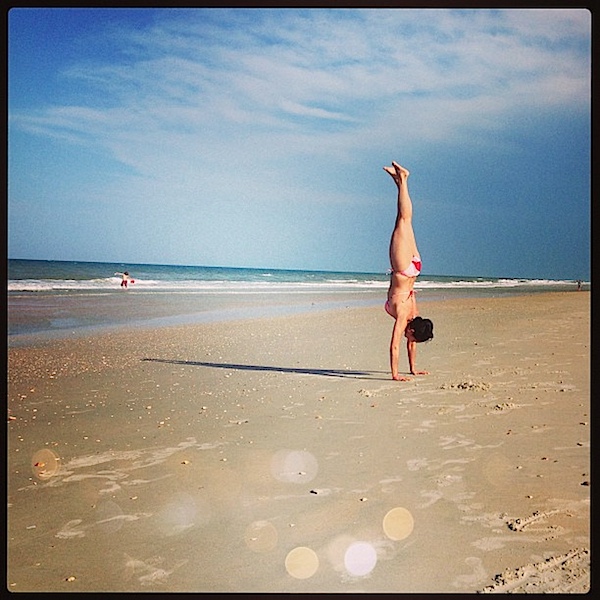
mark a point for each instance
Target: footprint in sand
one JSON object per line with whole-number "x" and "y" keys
{"x": 566, "y": 573}
{"x": 433, "y": 496}
{"x": 107, "y": 518}
{"x": 478, "y": 574}
{"x": 149, "y": 572}
{"x": 416, "y": 464}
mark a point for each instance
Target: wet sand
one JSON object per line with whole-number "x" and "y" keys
{"x": 276, "y": 454}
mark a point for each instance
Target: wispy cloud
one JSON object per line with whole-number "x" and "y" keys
{"x": 329, "y": 65}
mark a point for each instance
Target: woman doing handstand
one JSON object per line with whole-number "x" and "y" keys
{"x": 406, "y": 266}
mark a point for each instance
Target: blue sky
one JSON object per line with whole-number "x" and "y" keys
{"x": 257, "y": 137}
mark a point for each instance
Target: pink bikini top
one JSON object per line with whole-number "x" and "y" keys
{"x": 413, "y": 269}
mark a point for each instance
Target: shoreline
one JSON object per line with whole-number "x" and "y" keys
{"x": 44, "y": 317}
{"x": 276, "y": 454}
{"x": 62, "y": 316}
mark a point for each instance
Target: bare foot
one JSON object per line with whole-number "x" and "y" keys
{"x": 391, "y": 171}
{"x": 400, "y": 378}
{"x": 399, "y": 174}
{"x": 402, "y": 172}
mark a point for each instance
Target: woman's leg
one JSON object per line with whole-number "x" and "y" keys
{"x": 402, "y": 244}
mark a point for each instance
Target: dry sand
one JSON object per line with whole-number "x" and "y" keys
{"x": 278, "y": 455}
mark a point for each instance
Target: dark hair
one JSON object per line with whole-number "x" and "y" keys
{"x": 422, "y": 329}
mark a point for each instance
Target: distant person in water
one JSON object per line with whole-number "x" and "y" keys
{"x": 405, "y": 267}
{"x": 125, "y": 279}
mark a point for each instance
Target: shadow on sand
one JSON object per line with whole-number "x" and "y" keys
{"x": 346, "y": 373}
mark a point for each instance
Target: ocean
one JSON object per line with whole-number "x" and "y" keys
{"x": 64, "y": 298}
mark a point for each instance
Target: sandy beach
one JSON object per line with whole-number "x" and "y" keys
{"x": 277, "y": 455}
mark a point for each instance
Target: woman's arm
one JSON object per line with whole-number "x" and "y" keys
{"x": 411, "y": 349}
{"x": 397, "y": 333}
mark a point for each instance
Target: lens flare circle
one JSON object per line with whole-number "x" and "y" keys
{"x": 261, "y": 536}
{"x": 398, "y": 523}
{"x": 360, "y": 559}
{"x": 45, "y": 464}
{"x": 301, "y": 562}
{"x": 179, "y": 514}
{"x": 109, "y": 517}
{"x": 294, "y": 466}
